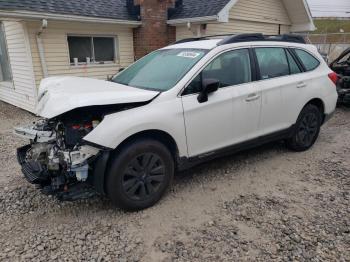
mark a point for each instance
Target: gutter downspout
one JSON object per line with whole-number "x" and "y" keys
{"x": 40, "y": 44}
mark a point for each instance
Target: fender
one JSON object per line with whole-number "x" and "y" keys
{"x": 324, "y": 103}
{"x": 116, "y": 128}
{"x": 321, "y": 90}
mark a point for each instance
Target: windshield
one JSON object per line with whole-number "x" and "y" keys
{"x": 160, "y": 70}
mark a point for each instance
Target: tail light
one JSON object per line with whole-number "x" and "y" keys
{"x": 333, "y": 77}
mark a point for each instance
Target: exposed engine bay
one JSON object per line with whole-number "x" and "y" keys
{"x": 57, "y": 159}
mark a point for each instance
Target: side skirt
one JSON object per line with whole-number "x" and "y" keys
{"x": 186, "y": 163}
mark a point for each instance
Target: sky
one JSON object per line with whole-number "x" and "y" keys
{"x": 330, "y": 8}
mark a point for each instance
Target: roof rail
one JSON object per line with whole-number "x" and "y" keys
{"x": 189, "y": 40}
{"x": 241, "y": 38}
{"x": 260, "y": 37}
{"x": 192, "y": 39}
{"x": 230, "y": 38}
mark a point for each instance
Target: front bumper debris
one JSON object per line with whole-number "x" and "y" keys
{"x": 32, "y": 134}
{"x": 66, "y": 186}
{"x": 32, "y": 171}
{"x": 75, "y": 192}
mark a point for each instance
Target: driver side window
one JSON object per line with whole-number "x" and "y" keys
{"x": 230, "y": 68}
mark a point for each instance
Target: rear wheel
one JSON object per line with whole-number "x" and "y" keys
{"x": 140, "y": 174}
{"x": 306, "y": 130}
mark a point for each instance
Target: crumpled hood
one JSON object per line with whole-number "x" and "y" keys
{"x": 58, "y": 95}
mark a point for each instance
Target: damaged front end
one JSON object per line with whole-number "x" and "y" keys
{"x": 57, "y": 159}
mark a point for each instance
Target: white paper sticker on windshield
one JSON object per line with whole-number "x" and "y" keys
{"x": 189, "y": 54}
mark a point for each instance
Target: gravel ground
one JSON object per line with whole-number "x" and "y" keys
{"x": 266, "y": 204}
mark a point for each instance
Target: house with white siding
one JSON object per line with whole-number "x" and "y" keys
{"x": 89, "y": 38}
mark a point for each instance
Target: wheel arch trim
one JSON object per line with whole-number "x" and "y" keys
{"x": 102, "y": 163}
{"x": 320, "y": 105}
{"x": 160, "y": 135}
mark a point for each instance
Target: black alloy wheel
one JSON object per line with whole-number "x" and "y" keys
{"x": 307, "y": 129}
{"x": 143, "y": 176}
{"x": 139, "y": 174}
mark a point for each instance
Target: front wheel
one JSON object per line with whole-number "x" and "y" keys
{"x": 306, "y": 130}
{"x": 140, "y": 174}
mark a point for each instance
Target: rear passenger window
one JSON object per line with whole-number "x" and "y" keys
{"x": 272, "y": 62}
{"x": 293, "y": 66}
{"x": 309, "y": 62}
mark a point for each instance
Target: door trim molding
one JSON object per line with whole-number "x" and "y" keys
{"x": 186, "y": 163}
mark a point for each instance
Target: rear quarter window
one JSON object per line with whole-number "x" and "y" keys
{"x": 308, "y": 60}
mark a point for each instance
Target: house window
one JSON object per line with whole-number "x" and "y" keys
{"x": 91, "y": 49}
{"x": 5, "y": 71}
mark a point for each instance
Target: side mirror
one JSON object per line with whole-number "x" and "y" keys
{"x": 121, "y": 69}
{"x": 208, "y": 86}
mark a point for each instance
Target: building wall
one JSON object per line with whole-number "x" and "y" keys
{"x": 239, "y": 26}
{"x": 265, "y": 11}
{"x": 21, "y": 91}
{"x": 248, "y": 16}
{"x": 57, "y": 53}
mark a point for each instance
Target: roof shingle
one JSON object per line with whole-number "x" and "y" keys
{"x": 114, "y": 9}
{"x": 199, "y": 8}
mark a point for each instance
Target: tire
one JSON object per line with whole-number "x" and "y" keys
{"x": 139, "y": 174}
{"x": 306, "y": 130}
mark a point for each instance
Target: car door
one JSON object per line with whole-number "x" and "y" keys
{"x": 231, "y": 114}
{"x": 274, "y": 81}
{"x": 303, "y": 82}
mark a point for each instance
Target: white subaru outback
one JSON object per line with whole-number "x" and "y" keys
{"x": 176, "y": 107}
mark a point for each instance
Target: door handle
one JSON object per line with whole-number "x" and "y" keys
{"x": 252, "y": 97}
{"x": 301, "y": 85}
